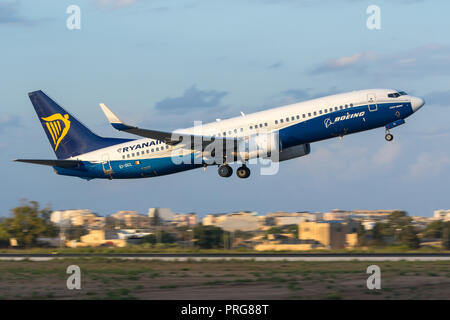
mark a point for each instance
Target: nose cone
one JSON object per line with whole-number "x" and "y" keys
{"x": 416, "y": 103}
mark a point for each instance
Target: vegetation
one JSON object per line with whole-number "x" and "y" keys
{"x": 28, "y": 223}
{"x": 207, "y": 237}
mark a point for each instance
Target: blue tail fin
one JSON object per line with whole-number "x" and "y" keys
{"x": 66, "y": 134}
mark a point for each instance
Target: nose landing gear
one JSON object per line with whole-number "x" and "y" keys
{"x": 389, "y": 137}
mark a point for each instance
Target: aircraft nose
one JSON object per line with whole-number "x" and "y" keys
{"x": 416, "y": 103}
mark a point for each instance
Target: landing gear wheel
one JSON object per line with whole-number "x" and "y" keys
{"x": 389, "y": 137}
{"x": 243, "y": 172}
{"x": 225, "y": 171}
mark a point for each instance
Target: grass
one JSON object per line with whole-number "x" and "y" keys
{"x": 104, "y": 278}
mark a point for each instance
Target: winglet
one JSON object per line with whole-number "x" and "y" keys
{"x": 113, "y": 119}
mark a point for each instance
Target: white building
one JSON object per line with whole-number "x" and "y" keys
{"x": 243, "y": 221}
{"x": 442, "y": 214}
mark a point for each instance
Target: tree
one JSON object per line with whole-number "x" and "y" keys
{"x": 408, "y": 237}
{"x": 377, "y": 234}
{"x": 163, "y": 236}
{"x": 28, "y": 223}
{"x": 446, "y": 237}
{"x": 4, "y": 236}
{"x": 208, "y": 237}
{"x": 361, "y": 236}
{"x": 434, "y": 230}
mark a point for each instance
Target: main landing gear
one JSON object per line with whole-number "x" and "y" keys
{"x": 243, "y": 172}
{"x": 226, "y": 171}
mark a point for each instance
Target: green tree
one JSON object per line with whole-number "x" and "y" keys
{"x": 377, "y": 234}
{"x": 208, "y": 237}
{"x": 434, "y": 230}
{"x": 4, "y": 235}
{"x": 408, "y": 237}
{"x": 28, "y": 223}
{"x": 361, "y": 236}
{"x": 446, "y": 237}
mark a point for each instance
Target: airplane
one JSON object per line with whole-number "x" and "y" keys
{"x": 292, "y": 128}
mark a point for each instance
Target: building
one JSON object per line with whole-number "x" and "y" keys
{"x": 360, "y": 215}
{"x": 78, "y": 217}
{"x": 164, "y": 215}
{"x": 442, "y": 214}
{"x": 132, "y": 219}
{"x": 281, "y": 218}
{"x": 96, "y": 238}
{"x": 243, "y": 221}
{"x": 184, "y": 220}
{"x": 331, "y": 234}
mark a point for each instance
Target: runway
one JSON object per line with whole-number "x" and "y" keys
{"x": 179, "y": 257}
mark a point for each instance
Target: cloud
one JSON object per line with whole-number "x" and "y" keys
{"x": 192, "y": 99}
{"x": 428, "y": 60}
{"x": 114, "y": 4}
{"x": 387, "y": 154}
{"x": 9, "y": 121}
{"x": 358, "y": 60}
{"x": 9, "y": 13}
{"x": 429, "y": 165}
{"x": 276, "y": 65}
{"x": 296, "y": 95}
{"x": 438, "y": 98}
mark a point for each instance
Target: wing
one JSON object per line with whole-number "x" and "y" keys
{"x": 53, "y": 163}
{"x": 194, "y": 142}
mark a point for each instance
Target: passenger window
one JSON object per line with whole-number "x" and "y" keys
{"x": 315, "y": 113}
{"x": 132, "y": 154}
{"x": 304, "y": 115}
{"x": 309, "y": 114}
{"x": 292, "y": 118}
{"x": 335, "y": 108}
{"x": 167, "y": 147}
{"x": 320, "y": 111}
{"x": 341, "y": 107}
{"x": 346, "y": 106}
{"x": 281, "y": 121}
{"x": 351, "y": 104}
{"x": 128, "y": 155}
{"x": 148, "y": 151}
{"x": 265, "y": 124}
{"x": 224, "y": 134}
{"x": 287, "y": 119}
{"x": 153, "y": 150}
{"x": 276, "y": 121}
{"x": 123, "y": 157}
{"x": 242, "y": 129}
{"x": 235, "y": 130}
{"x": 229, "y": 132}
{"x": 298, "y": 117}
{"x": 251, "y": 127}
{"x": 325, "y": 110}
{"x": 157, "y": 149}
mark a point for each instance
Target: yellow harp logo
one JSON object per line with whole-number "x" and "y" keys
{"x": 58, "y": 126}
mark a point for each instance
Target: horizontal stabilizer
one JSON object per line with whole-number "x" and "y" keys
{"x": 53, "y": 163}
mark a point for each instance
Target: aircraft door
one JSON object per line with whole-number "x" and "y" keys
{"x": 107, "y": 169}
{"x": 372, "y": 102}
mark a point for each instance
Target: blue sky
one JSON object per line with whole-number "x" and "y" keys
{"x": 164, "y": 64}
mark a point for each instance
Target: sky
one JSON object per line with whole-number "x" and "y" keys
{"x": 163, "y": 64}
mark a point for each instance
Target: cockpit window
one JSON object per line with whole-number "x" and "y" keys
{"x": 397, "y": 94}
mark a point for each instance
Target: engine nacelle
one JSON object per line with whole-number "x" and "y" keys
{"x": 261, "y": 145}
{"x": 294, "y": 152}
